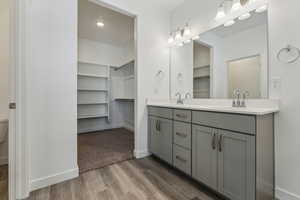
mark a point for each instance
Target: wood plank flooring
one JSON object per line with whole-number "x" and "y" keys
{"x": 4, "y": 182}
{"x": 145, "y": 179}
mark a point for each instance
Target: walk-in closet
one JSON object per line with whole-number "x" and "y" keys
{"x": 106, "y": 86}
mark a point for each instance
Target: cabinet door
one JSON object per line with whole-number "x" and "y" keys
{"x": 154, "y": 135}
{"x": 204, "y": 155}
{"x": 161, "y": 138}
{"x": 236, "y": 165}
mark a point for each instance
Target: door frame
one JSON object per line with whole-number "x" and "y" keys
{"x": 18, "y": 138}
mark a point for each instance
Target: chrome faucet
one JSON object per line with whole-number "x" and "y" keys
{"x": 236, "y": 101}
{"x": 179, "y": 100}
{"x": 187, "y": 95}
{"x": 245, "y": 94}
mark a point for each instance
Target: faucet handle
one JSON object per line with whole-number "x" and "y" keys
{"x": 246, "y": 94}
{"x": 187, "y": 95}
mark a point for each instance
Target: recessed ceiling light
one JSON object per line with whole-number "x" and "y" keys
{"x": 100, "y": 24}
{"x": 245, "y": 16}
{"x": 229, "y": 23}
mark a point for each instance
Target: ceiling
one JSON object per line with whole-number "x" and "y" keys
{"x": 118, "y": 29}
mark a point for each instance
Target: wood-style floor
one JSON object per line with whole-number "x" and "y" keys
{"x": 145, "y": 179}
{"x": 4, "y": 182}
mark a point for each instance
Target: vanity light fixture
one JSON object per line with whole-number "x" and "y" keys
{"x": 196, "y": 37}
{"x": 171, "y": 39}
{"x": 245, "y": 16}
{"x": 187, "y": 30}
{"x": 236, "y": 5}
{"x": 187, "y": 41}
{"x": 221, "y": 12}
{"x": 261, "y": 9}
{"x": 178, "y": 34}
{"x": 229, "y": 23}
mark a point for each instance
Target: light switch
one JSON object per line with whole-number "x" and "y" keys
{"x": 275, "y": 88}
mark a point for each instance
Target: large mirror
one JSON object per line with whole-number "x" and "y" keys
{"x": 224, "y": 60}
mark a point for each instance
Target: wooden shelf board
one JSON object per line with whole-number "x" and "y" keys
{"x": 91, "y": 116}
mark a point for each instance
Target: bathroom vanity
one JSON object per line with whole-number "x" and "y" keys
{"x": 229, "y": 150}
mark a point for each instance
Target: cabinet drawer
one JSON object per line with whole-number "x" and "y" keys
{"x": 161, "y": 112}
{"x": 182, "y": 159}
{"x": 182, "y": 134}
{"x": 183, "y": 115}
{"x": 234, "y": 122}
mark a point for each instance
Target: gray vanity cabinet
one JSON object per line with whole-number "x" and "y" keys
{"x": 161, "y": 131}
{"x": 231, "y": 153}
{"x": 204, "y": 155}
{"x": 236, "y": 165}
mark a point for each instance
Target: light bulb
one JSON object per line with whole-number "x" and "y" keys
{"x": 196, "y": 37}
{"x": 171, "y": 39}
{"x": 178, "y": 35}
{"x": 236, "y": 5}
{"x": 261, "y": 9}
{"x": 188, "y": 41}
{"x": 187, "y": 31}
{"x": 245, "y": 16}
{"x": 100, "y": 23}
{"x": 221, "y": 13}
{"x": 229, "y": 23}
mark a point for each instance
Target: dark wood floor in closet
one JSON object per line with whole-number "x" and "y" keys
{"x": 103, "y": 148}
{"x": 144, "y": 179}
{"x": 4, "y": 182}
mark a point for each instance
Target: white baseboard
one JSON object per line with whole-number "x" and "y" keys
{"x": 282, "y": 194}
{"x": 141, "y": 154}
{"x": 3, "y": 161}
{"x": 53, "y": 179}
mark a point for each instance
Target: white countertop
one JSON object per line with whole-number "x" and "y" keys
{"x": 250, "y": 110}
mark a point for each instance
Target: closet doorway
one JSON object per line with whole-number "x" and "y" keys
{"x": 106, "y": 86}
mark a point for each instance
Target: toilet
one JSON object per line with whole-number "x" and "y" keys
{"x": 3, "y": 130}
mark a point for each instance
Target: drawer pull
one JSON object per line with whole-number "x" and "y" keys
{"x": 181, "y": 116}
{"x": 213, "y": 143}
{"x": 158, "y": 125}
{"x": 181, "y": 159}
{"x": 220, "y": 143}
{"x": 181, "y": 135}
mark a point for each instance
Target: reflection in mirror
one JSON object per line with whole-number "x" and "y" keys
{"x": 223, "y": 60}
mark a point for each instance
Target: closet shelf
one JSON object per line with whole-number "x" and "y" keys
{"x": 92, "y": 76}
{"x": 124, "y": 99}
{"x": 93, "y": 90}
{"x": 202, "y": 76}
{"x": 202, "y": 66}
{"x": 91, "y": 116}
{"x": 93, "y": 103}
